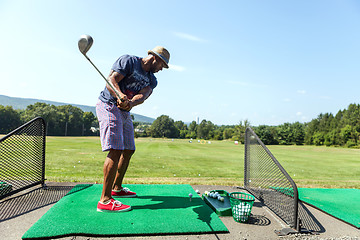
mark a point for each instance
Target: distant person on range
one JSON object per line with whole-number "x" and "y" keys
{"x": 133, "y": 78}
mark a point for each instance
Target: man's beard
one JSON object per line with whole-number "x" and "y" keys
{"x": 153, "y": 68}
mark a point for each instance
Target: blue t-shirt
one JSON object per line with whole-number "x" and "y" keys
{"x": 135, "y": 78}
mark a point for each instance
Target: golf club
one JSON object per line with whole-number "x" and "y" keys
{"x": 85, "y": 42}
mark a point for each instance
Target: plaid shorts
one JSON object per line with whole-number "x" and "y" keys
{"x": 116, "y": 127}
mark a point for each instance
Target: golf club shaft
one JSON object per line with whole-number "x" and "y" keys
{"x": 107, "y": 81}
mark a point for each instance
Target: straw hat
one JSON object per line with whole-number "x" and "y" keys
{"x": 162, "y": 53}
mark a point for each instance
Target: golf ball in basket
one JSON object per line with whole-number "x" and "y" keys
{"x": 242, "y": 208}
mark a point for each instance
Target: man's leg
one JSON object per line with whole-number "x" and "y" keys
{"x": 110, "y": 169}
{"x": 122, "y": 167}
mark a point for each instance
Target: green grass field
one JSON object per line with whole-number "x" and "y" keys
{"x": 80, "y": 159}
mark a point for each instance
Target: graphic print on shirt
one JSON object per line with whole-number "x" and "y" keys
{"x": 136, "y": 82}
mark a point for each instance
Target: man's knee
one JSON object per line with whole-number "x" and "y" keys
{"x": 114, "y": 154}
{"x": 128, "y": 153}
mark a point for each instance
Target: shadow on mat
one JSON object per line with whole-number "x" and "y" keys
{"x": 259, "y": 220}
{"x": 308, "y": 220}
{"x": 171, "y": 202}
{"x": 30, "y": 201}
{"x": 78, "y": 188}
{"x": 205, "y": 216}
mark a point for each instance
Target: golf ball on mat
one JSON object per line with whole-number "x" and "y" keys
{"x": 197, "y": 191}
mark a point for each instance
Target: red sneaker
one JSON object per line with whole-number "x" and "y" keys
{"x": 124, "y": 192}
{"x": 112, "y": 206}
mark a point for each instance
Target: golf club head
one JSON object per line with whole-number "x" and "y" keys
{"x": 85, "y": 42}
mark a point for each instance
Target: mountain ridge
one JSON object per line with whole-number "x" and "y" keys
{"x": 22, "y": 103}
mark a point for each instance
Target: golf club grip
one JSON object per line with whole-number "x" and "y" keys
{"x": 107, "y": 81}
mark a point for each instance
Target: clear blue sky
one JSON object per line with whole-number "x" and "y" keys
{"x": 269, "y": 62}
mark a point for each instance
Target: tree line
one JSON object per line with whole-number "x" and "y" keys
{"x": 166, "y": 127}
{"x": 64, "y": 120}
{"x": 342, "y": 129}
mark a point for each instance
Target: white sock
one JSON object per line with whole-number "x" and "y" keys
{"x": 118, "y": 190}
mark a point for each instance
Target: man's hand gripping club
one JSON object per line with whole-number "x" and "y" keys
{"x": 124, "y": 103}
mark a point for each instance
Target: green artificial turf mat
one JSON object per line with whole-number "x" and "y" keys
{"x": 340, "y": 203}
{"x": 158, "y": 210}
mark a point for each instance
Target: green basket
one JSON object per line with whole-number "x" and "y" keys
{"x": 241, "y": 205}
{"x": 5, "y": 188}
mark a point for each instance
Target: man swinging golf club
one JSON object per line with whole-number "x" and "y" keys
{"x": 133, "y": 79}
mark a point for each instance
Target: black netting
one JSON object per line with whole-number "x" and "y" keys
{"x": 22, "y": 158}
{"x": 267, "y": 180}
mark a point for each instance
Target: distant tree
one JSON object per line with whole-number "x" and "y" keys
{"x": 318, "y": 139}
{"x": 228, "y": 133}
{"x": 205, "y": 130}
{"x": 291, "y": 134}
{"x": 239, "y": 131}
{"x": 72, "y": 120}
{"x": 164, "y": 126}
{"x": 44, "y": 110}
{"x": 343, "y": 129}
{"x": 310, "y": 130}
{"x": 325, "y": 122}
{"x": 351, "y": 116}
{"x": 346, "y": 134}
{"x": 37, "y": 110}
{"x": 89, "y": 120}
{"x": 298, "y": 135}
{"x": 147, "y": 131}
{"x": 331, "y": 138}
{"x": 182, "y": 127}
{"x": 9, "y": 119}
{"x": 267, "y": 134}
{"x": 285, "y": 134}
{"x": 61, "y": 120}
{"x": 192, "y": 130}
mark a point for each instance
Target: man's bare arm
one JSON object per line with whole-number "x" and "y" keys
{"x": 141, "y": 96}
{"x": 114, "y": 78}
